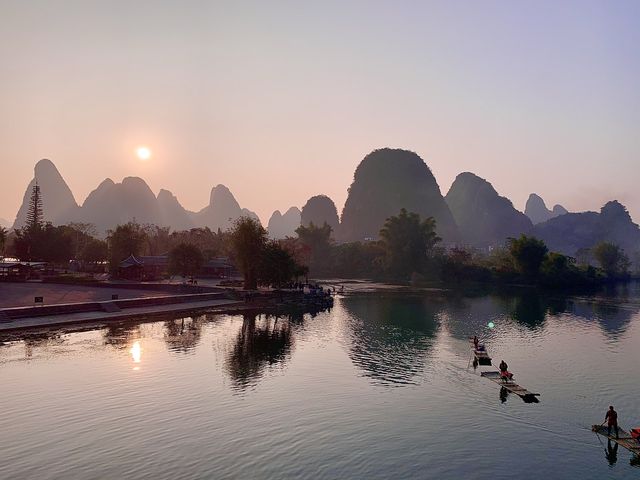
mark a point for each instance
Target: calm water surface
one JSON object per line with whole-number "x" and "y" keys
{"x": 378, "y": 387}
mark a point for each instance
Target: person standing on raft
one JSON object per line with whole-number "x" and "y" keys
{"x": 505, "y": 374}
{"x": 612, "y": 420}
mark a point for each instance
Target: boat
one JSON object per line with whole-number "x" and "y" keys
{"x": 512, "y": 387}
{"x": 624, "y": 438}
{"x": 481, "y": 355}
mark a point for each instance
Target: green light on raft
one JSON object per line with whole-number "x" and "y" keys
{"x": 491, "y": 325}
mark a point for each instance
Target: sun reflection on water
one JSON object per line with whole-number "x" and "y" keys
{"x": 136, "y": 353}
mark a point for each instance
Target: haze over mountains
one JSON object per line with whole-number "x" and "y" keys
{"x": 282, "y": 226}
{"x": 113, "y": 203}
{"x": 483, "y": 216}
{"x": 538, "y": 212}
{"x": 472, "y": 213}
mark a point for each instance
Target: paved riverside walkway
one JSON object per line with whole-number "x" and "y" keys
{"x": 102, "y": 316}
{"x": 14, "y": 294}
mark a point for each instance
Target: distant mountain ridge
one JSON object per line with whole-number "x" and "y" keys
{"x": 282, "y": 226}
{"x": 483, "y": 216}
{"x": 574, "y": 231}
{"x": 538, "y": 212}
{"x": 385, "y": 181}
{"x": 111, "y": 204}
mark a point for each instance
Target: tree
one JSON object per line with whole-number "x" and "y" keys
{"x": 211, "y": 244}
{"x": 277, "y": 266}
{"x": 82, "y": 234}
{"x": 4, "y": 233}
{"x": 157, "y": 239}
{"x": 94, "y": 251}
{"x": 407, "y": 242}
{"x": 318, "y": 241}
{"x": 44, "y": 243}
{"x": 612, "y": 259}
{"x": 34, "y": 214}
{"x": 528, "y": 254}
{"x": 185, "y": 260}
{"x": 125, "y": 240}
{"x": 248, "y": 239}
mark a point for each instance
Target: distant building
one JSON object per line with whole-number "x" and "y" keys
{"x": 157, "y": 266}
{"x": 144, "y": 267}
{"x": 218, "y": 268}
{"x": 16, "y": 270}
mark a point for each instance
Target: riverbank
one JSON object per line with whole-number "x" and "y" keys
{"x": 27, "y": 317}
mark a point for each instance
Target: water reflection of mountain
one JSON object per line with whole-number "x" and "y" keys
{"x": 183, "y": 335}
{"x": 390, "y": 335}
{"x": 261, "y": 343}
{"x": 613, "y": 316}
{"x": 530, "y": 308}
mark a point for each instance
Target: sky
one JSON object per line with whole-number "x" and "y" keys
{"x": 280, "y": 101}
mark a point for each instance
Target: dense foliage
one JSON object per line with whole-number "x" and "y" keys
{"x": 185, "y": 259}
{"x": 407, "y": 243}
{"x": 612, "y": 259}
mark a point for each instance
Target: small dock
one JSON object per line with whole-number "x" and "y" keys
{"x": 624, "y": 438}
{"x": 511, "y": 386}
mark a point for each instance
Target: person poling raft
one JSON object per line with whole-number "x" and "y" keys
{"x": 629, "y": 440}
{"x": 505, "y": 374}
{"x": 480, "y": 352}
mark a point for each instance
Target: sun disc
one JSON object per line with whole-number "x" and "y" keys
{"x": 143, "y": 153}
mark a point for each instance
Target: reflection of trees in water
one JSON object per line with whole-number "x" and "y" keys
{"x": 391, "y": 336}
{"x": 119, "y": 335}
{"x": 41, "y": 341}
{"x": 528, "y": 307}
{"x": 613, "y": 316}
{"x": 183, "y": 334}
{"x": 261, "y": 343}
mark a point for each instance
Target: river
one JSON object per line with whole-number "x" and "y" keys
{"x": 381, "y": 386}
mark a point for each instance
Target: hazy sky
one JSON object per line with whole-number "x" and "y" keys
{"x": 281, "y": 100}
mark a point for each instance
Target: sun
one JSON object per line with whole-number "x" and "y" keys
{"x": 143, "y": 153}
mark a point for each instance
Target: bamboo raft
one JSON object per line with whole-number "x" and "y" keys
{"x": 511, "y": 386}
{"x": 625, "y": 439}
{"x": 482, "y": 356}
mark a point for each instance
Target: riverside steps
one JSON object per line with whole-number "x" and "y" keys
{"x": 16, "y": 318}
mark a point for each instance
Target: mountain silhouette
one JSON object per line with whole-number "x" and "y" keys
{"x": 248, "y": 213}
{"x": 113, "y": 204}
{"x": 570, "y": 232}
{"x": 281, "y": 226}
{"x": 58, "y": 204}
{"x": 386, "y": 181}
{"x": 483, "y": 216}
{"x": 172, "y": 214}
{"x": 222, "y": 211}
{"x": 318, "y": 210}
{"x": 538, "y": 212}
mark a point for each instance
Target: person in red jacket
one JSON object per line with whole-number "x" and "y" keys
{"x": 612, "y": 420}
